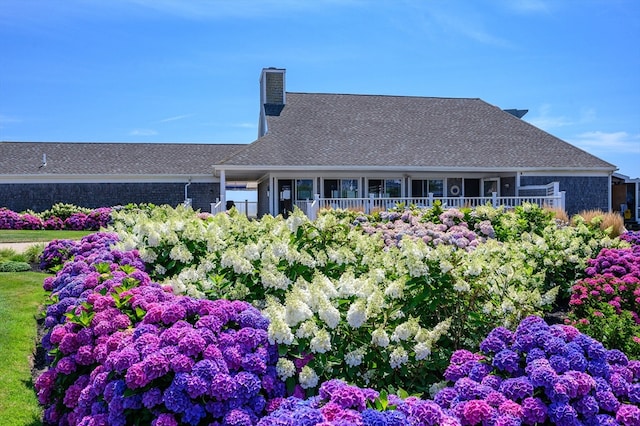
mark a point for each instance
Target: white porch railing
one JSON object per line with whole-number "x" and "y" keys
{"x": 370, "y": 205}
{"x": 247, "y": 208}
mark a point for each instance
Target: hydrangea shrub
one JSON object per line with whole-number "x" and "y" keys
{"x": 348, "y": 293}
{"x": 606, "y": 304}
{"x": 542, "y": 374}
{"x": 70, "y": 217}
{"x": 124, "y": 349}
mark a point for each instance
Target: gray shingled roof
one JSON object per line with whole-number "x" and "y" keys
{"x": 397, "y": 131}
{"x": 24, "y": 158}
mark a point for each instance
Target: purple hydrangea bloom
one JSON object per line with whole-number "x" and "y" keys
{"x": 507, "y": 360}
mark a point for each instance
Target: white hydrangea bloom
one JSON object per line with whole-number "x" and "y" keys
{"x": 279, "y": 332}
{"x": 296, "y": 311}
{"x": 232, "y": 259}
{"x": 308, "y": 378}
{"x": 422, "y": 350}
{"x": 252, "y": 251}
{"x": 147, "y": 255}
{"x": 329, "y": 314}
{"x": 273, "y": 278}
{"x": 406, "y": 330}
{"x": 378, "y": 275}
{"x": 355, "y": 357}
{"x": 395, "y": 288}
{"x": 462, "y": 286}
{"x": 379, "y": 337}
{"x": 153, "y": 238}
{"x": 280, "y": 249}
{"x": 306, "y": 329}
{"x": 181, "y": 253}
{"x": 375, "y": 304}
{"x": 398, "y": 357}
{"x": 346, "y": 285}
{"x": 322, "y": 284}
{"x": 549, "y": 297}
{"x": 445, "y": 266}
{"x": 356, "y": 315}
{"x": 321, "y": 342}
{"x": 159, "y": 269}
{"x": 285, "y": 368}
{"x": 295, "y": 220}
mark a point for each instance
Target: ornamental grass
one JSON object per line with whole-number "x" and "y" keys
{"x": 610, "y": 222}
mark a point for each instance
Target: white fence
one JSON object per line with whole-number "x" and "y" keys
{"x": 370, "y": 205}
{"x": 553, "y": 198}
{"x": 247, "y": 208}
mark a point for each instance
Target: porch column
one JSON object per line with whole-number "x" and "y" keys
{"x": 223, "y": 188}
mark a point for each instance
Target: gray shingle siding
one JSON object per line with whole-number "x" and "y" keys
{"x": 263, "y": 199}
{"x": 582, "y": 192}
{"x": 41, "y": 196}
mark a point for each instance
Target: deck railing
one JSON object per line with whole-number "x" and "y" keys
{"x": 247, "y": 208}
{"x": 370, "y": 205}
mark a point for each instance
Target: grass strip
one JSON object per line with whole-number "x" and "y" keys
{"x": 29, "y": 236}
{"x": 21, "y": 298}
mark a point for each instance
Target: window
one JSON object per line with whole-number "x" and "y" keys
{"x": 349, "y": 188}
{"x": 489, "y": 186}
{"x": 422, "y": 188}
{"x": 385, "y": 188}
{"x": 341, "y": 188}
{"x": 304, "y": 189}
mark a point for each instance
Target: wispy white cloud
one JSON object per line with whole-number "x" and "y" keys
{"x": 236, "y": 8}
{"x": 463, "y": 21}
{"x": 6, "y": 119}
{"x": 603, "y": 142}
{"x": 143, "y": 132}
{"x": 528, "y": 6}
{"x": 174, "y": 118}
{"x": 238, "y": 125}
{"x": 546, "y": 120}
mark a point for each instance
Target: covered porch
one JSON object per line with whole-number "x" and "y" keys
{"x": 281, "y": 192}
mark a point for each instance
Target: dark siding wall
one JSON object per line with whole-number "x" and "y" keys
{"x": 511, "y": 183}
{"x": 582, "y": 192}
{"x": 41, "y": 196}
{"x": 263, "y": 199}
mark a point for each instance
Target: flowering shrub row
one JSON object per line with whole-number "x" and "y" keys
{"x": 537, "y": 375}
{"x": 124, "y": 350}
{"x": 606, "y": 304}
{"x": 93, "y": 220}
{"x": 358, "y": 307}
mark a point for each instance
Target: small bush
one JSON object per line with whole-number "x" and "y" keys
{"x": 12, "y": 266}
{"x": 33, "y": 252}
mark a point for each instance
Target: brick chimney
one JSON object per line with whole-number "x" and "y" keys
{"x": 272, "y": 95}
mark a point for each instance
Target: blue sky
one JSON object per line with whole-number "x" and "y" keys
{"x": 188, "y": 71}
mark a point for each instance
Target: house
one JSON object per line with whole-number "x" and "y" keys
{"x": 626, "y": 199}
{"x": 340, "y": 147}
{"x": 320, "y": 149}
{"x": 36, "y": 175}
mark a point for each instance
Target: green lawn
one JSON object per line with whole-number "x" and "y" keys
{"x": 29, "y": 236}
{"x": 21, "y": 298}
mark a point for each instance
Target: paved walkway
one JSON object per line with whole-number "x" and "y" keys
{"x": 19, "y": 247}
